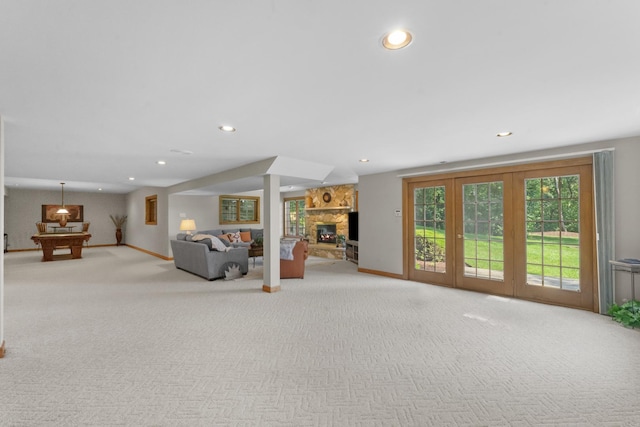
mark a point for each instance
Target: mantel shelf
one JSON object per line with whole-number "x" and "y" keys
{"x": 338, "y": 208}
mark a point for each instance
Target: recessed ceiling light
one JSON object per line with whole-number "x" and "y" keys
{"x": 161, "y": 162}
{"x": 364, "y": 160}
{"x": 227, "y": 128}
{"x": 397, "y": 39}
{"x": 131, "y": 178}
{"x": 99, "y": 189}
{"x": 503, "y": 134}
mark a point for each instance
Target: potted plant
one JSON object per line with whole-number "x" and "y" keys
{"x": 340, "y": 240}
{"x": 627, "y": 314}
{"x": 118, "y": 221}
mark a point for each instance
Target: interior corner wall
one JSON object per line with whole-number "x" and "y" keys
{"x": 151, "y": 238}
{"x": 379, "y": 229}
{"x": 23, "y": 208}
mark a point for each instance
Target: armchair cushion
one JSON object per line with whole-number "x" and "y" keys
{"x": 295, "y": 268}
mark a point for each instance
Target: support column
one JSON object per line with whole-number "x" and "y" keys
{"x": 271, "y": 225}
{"x": 2, "y": 231}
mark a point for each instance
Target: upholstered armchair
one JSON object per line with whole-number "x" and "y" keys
{"x": 290, "y": 269}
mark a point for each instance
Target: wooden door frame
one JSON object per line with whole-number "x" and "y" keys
{"x": 446, "y": 278}
{"x": 476, "y": 284}
{"x": 588, "y": 276}
{"x": 407, "y": 222}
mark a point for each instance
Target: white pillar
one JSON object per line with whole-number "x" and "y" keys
{"x": 2, "y": 231}
{"x": 271, "y": 225}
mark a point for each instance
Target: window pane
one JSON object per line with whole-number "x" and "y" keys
{"x": 429, "y": 229}
{"x": 553, "y": 233}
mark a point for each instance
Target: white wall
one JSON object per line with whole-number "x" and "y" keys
{"x": 627, "y": 199}
{"x": 152, "y": 238}
{"x": 381, "y": 233}
{"x": 202, "y": 209}
{"x": 23, "y": 208}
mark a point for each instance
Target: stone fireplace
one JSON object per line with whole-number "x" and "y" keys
{"x": 326, "y": 217}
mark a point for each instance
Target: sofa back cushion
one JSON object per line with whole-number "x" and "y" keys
{"x": 256, "y": 232}
{"x": 212, "y": 241}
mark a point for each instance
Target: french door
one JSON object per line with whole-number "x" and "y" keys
{"x": 554, "y": 243}
{"x": 526, "y": 233}
{"x": 484, "y": 230}
{"x": 431, "y": 233}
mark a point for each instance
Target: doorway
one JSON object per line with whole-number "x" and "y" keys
{"x": 525, "y": 232}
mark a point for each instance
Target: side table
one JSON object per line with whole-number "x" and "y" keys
{"x": 255, "y": 251}
{"x": 631, "y": 266}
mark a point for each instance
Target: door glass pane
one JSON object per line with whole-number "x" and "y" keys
{"x": 483, "y": 224}
{"x": 553, "y": 232}
{"x": 429, "y": 226}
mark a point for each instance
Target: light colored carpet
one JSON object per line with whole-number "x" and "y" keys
{"x": 123, "y": 338}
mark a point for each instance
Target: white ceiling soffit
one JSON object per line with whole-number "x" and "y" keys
{"x": 249, "y": 177}
{"x": 295, "y": 168}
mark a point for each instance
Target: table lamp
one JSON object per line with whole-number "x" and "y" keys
{"x": 188, "y": 225}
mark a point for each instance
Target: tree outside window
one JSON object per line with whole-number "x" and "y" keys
{"x": 294, "y": 218}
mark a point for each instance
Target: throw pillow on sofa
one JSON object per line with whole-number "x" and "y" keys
{"x": 216, "y": 244}
{"x": 225, "y": 239}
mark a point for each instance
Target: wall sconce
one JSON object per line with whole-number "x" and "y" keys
{"x": 188, "y": 225}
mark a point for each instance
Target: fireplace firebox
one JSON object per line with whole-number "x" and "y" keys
{"x": 326, "y": 233}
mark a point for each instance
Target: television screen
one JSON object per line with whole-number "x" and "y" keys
{"x": 353, "y": 226}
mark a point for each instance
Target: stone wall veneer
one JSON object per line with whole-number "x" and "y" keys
{"x": 334, "y": 211}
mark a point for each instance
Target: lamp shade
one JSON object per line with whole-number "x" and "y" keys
{"x": 187, "y": 225}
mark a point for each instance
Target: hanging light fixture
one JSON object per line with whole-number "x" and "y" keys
{"x": 62, "y": 210}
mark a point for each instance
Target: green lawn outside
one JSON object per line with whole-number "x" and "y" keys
{"x": 553, "y": 252}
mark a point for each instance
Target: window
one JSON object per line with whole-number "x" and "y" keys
{"x": 151, "y": 210}
{"x": 239, "y": 210}
{"x": 294, "y": 220}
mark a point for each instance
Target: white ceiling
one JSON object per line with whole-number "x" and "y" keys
{"x": 93, "y": 92}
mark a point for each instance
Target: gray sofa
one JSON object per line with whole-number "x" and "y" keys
{"x": 200, "y": 259}
{"x": 255, "y": 232}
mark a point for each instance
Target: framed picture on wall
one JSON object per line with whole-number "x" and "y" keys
{"x": 76, "y": 213}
